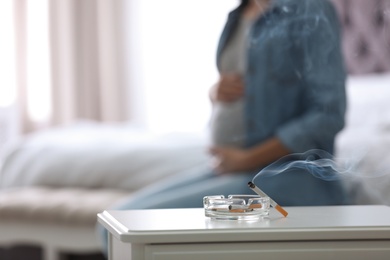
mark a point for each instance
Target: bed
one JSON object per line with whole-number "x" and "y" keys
{"x": 53, "y": 183}
{"x": 100, "y": 164}
{"x": 362, "y": 148}
{"x": 95, "y": 155}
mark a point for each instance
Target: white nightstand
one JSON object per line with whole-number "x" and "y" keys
{"x": 334, "y": 232}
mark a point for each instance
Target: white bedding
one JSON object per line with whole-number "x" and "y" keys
{"x": 96, "y": 155}
{"x": 365, "y": 141}
{"x": 119, "y": 156}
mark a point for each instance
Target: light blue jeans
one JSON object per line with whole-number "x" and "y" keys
{"x": 293, "y": 188}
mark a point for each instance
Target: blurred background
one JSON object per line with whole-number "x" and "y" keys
{"x": 107, "y": 61}
{"x": 146, "y": 63}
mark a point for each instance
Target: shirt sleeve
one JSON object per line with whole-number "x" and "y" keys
{"x": 322, "y": 68}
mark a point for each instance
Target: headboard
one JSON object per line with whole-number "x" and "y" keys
{"x": 366, "y": 35}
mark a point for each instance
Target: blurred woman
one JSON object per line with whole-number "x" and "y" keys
{"x": 281, "y": 91}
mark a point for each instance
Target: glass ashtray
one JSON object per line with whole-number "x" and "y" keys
{"x": 236, "y": 207}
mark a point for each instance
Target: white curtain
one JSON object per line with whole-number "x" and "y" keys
{"x": 8, "y": 124}
{"x": 87, "y": 60}
{"x": 146, "y": 62}
{"x": 70, "y": 62}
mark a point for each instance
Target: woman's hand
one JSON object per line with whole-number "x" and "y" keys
{"x": 229, "y": 159}
{"x": 229, "y": 88}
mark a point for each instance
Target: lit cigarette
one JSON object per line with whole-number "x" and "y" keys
{"x": 262, "y": 194}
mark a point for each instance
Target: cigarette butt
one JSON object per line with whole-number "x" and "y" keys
{"x": 239, "y": 209}
{"x": 255, "y": 206}
{"x": 219, "y": 209}
{"x": 281, "y": 210}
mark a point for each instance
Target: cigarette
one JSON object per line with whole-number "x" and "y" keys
{"x": 255, "y": 206}
{"x": 262, "y": 194}
{"x": 220, "y": 209}
{"x": 238, "y": 209}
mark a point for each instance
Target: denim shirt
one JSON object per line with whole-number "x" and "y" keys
{"x": 295, "y": 81}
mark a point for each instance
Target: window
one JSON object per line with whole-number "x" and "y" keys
{"x": 173, "y": 54}
{"x": 38, "y": 70}
{"x": 7, "y": 54}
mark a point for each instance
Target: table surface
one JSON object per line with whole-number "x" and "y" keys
{"x": 302, "y": 223}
